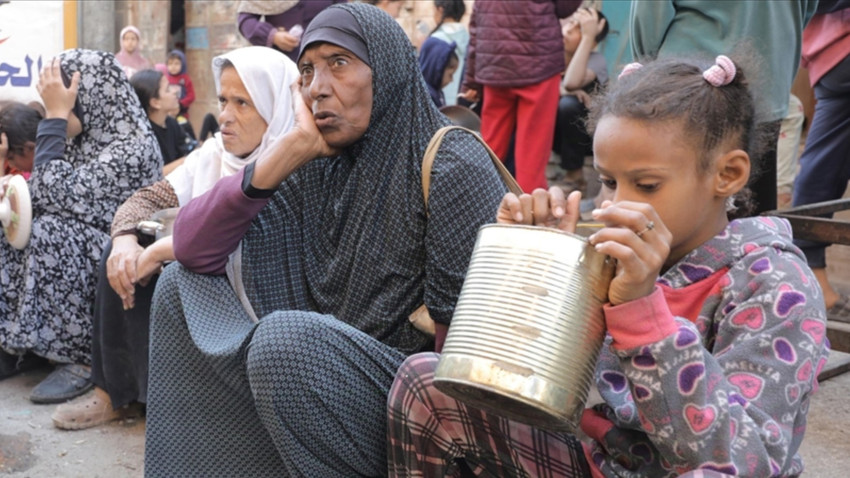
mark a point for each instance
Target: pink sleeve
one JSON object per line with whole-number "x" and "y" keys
{"x": 640, "y": 322}
{"x": 209, "y": 227}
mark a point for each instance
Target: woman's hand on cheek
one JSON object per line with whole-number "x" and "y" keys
{"x": 305, "y": 125}
{"x": 541, "y": 208}
{"x": 640, "y": 242}
{"x": 58, "y": 100}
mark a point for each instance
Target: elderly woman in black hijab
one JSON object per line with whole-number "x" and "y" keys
{"x": 336, "y": 252}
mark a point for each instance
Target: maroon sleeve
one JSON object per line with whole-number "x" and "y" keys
{"x": 468, "y": 82}
{"x": 255, "y": 30}
{"x": 565, "y": 8}
{"x": 209, "y": 227}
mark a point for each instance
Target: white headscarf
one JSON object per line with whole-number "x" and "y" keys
{"x": 267, "y": 75}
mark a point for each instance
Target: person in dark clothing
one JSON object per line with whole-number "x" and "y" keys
{"x": 336, "y": 253}
{"x": 158, "y": 99}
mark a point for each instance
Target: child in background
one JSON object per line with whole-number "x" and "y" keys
{"x": 176, "y": 73}
{"x": 448, "y": 15}
{"x": 129, "y": 57}
{"x": 18, "y": 130}
{"x": 715, "y": 327}
{"x": 438, "y": 62}
{"x": 586, "y": 70}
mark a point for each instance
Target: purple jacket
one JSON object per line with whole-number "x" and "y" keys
{"x": 516, "y": 43}
{"x": 261, "y": 33}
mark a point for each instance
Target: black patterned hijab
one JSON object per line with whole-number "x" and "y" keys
{"x": 348, "y": 235}
{"x": 112, "y": 115}
{"x": 115, "y": 154}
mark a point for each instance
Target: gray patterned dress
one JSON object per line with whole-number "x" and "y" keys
{"x": 47, "y": 289}
{"x": 333, "y": 265}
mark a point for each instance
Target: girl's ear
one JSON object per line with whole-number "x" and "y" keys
{"x": 733, "y": 172}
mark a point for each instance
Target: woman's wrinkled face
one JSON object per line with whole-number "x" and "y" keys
{"x": 241, "y": 126}
{"x": 129, "y": 42}
{"x": 337, "y": 86}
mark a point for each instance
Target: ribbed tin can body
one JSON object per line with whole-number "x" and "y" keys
{"x": 528, "y": 326}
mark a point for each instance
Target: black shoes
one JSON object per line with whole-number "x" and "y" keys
{"x": 63, "y": 384}
{"x": 14, "y": 364}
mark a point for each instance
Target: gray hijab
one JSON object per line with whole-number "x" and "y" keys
{"x": 337, "y": 26}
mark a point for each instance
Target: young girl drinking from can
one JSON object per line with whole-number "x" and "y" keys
{"x": 716, "y": 326}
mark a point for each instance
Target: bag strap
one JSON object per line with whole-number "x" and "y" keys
{"x": 431, "y": 153}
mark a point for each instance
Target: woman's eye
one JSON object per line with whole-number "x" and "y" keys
{"x": 647, "y": 187}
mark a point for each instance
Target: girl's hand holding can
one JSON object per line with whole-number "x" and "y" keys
{"x": 640, "y": 242}
{"x": 541, "y": 208}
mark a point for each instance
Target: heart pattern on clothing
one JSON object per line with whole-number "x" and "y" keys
{"x": 689, "y": 376}
{"x": 784, "y": 351}
{"x": 787, "y": 300}
{"x": 700, "y": 419}
{"x": 804, "y": 373}
{"x": 760, "y": 266}
{"x": 748, "y": 384}
{"x": 616, "y": 380}
{"x": 815, "y": 329}
{"x": 642, "y": 393}
{"x": 644, "y": 360}
{"x": 685, "y": 337}
{"x": 750, "y": 317}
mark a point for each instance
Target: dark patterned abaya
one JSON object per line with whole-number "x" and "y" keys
{"x": 47, "y": 289}
{"x": 333, "y": 266}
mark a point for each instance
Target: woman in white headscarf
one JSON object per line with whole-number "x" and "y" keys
{"x": 256, "y": 108}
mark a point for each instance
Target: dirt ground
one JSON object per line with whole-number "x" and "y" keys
{"x": 30, "y": 446}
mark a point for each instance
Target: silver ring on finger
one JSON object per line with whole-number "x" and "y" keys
{"x": 649, "y": 226}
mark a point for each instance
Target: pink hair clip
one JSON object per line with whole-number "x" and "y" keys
{"x": 629, "y": 69}
{"x": 721, "y": 73}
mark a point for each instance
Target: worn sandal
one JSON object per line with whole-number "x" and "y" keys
{"x": 90, "y": 410}
{"x": 840, "y": 311}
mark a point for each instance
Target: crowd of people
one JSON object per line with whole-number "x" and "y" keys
{"x": 269, "y": 330}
